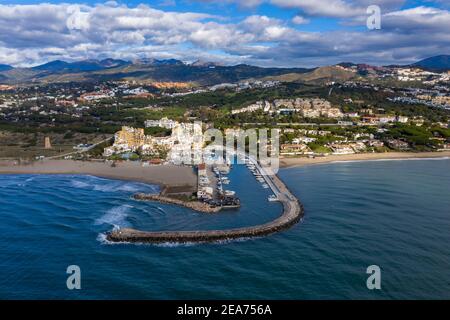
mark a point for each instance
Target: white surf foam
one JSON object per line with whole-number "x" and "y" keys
{"x": 105, "y": 185}
{"x": 79, "y": 184}
{"x": 128, "y": 187}
{"x": 102, "y": 238}
{"x": 115, "y": 216}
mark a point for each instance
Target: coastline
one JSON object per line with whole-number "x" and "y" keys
{"x": 169, "y": 175}
{"x": 180, "y": 176}
{"x": 163, "y": 175}
{"x": 303, "y": 161}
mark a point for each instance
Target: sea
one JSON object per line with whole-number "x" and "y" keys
{"x": 394, "y": 215}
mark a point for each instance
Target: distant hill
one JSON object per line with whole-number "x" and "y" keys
{"x": 198, "y": 72}
{"x": 156, "y": 62}
{"x": 145, "y": 69}
{"x": 201, "y": 63}
{"x": 80, "y": 66}
{"x": 56, "y": 65}
{"x": 437, "y": 63}
{"x": 201, "y": 75}
{"x": 347, "y": 64}
{"x": 330, "y": 73}
{"x": 318, "y": 75}
{"x": 5, "y": 67}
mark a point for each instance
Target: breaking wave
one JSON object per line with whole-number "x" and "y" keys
{"x": 116, "y": 217}
{"x": 104, "y": 185}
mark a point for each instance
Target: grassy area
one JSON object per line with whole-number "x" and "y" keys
{"x": 31, "y": 145}
{"x": 317, "y": 148}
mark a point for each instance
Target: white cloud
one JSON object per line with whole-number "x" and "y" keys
{"x": 331, "y": 8}
{"x": 337, "y": 8}
{"x": 241, "y": 3}
{"x": 418, "y": 20}
{"x": 300, "y": 20}
{"x": 77, "y": 19}
{"x": 38, "y": 33}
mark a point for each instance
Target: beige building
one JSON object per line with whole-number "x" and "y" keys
{"x": 307, "y": 107}
{"x": 186, "y": 139}
{"x": 294, "y": 149}
{"x": 130, "y": 139}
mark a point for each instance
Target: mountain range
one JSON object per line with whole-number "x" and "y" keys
{"x": 437, "y": 63}
{"x": 198, "y": 72}
{"x": 5, "y": 67}
{"x": 80, "y": 66}
{"x": 170, "y": 70}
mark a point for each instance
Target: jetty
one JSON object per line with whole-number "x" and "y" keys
{"x": 193, "y": 205}
{"x": 292, "y": 213}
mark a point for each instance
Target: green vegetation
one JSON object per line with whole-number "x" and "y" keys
{"x": 365, "y": 97}
{"x": 97, "y": 151}
{"x": 420, "y": 138}
{"x": 318, "y": 148}
{"x": 441, "y": 132}
{"x": 229, "y": 99}
{"x": 157, "y": 131}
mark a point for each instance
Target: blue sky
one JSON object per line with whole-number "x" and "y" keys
{"x": 262, "y": 32}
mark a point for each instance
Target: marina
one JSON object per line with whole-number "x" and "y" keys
{"x": 211, "y": 190}
{"x": 291, "y": 214}
{"x": 259, "y": 177}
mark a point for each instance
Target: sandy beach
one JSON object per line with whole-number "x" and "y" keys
{"x": 163, "y": 175}
{"x": 294, "y": 162}
{"x": 178, "y": 176}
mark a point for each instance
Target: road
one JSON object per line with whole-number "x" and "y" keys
{"x": 78, "y": 151}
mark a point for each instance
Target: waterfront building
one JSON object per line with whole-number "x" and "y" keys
{"x": 295, "y": 149}
{"x": 184, "y": 144}
{"x": 341, "y": 148}
{"x": 397, "y": 144}
{"x": 375, "y": 143}
{"x": 130, "y": 139}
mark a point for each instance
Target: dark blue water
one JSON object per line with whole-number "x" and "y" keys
{"x": 395, "y": 214}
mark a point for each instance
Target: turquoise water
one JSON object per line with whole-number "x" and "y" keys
{"x": 395, "y": 214}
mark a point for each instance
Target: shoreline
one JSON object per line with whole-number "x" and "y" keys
{"x": 165, "y": 176}
{"x": 183, "y": 176}
{"x": 362, "y": 157}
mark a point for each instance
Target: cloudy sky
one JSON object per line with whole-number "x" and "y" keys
{"x": 261, "y": 32}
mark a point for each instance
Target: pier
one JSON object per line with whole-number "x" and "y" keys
{"x": 292, "y": 213}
